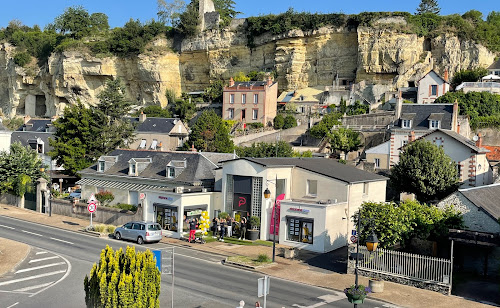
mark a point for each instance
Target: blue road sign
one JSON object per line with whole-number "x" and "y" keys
{"x": 157, "y": 254}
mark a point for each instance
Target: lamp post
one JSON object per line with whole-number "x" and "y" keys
{"x": 371, "y": 246}
{"x": 267, "y": 195}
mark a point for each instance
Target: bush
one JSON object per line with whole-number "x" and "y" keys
{"x": 123, "y": 280}
{"x": 14, "y": 123}
{"x": 290, "y": 122}
{"x": 128, "y": 207}
{"x": 255, "y": 125}
{"x": 105, "y": 197}
{"x": 22, "y": 58}
{"x": 279, "y": 121}
{"x": 254, "y": 222}
{"x": 263, "y": 258}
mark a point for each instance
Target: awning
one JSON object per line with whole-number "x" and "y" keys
{"x": 408, "y": 116}
{"x": 120, "y": 185}
{"x": 436, "y": 116}
{"x": 196, "y": 207}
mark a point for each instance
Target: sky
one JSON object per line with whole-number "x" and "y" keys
{"x": 31, "y": 12}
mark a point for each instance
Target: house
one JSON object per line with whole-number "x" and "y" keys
{"x": 494, "y": 69}
{"x": 489, "y": 83}
{"x": 306, "y": 101}
{"x": 471, "y": 157}
{"x": 379, "y": 155}
{"x": 432, "y": 86}
{"x": 162, "y": 134}
{"x": 170, "y": 186}
{"x": 5, "y": 136}
{"x": 253, "y": 101}
{"x": 320, "y": 197}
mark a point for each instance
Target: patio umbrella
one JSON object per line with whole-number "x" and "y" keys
{"x": 491, "y": 77}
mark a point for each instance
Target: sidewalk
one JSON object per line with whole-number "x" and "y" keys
{"x": 401, "y": 295}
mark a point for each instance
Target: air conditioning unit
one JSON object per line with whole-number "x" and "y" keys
{"x": 179, "y": 190}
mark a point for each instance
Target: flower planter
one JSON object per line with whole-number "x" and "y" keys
{"x": 356, "y": 299}
{"x": 253, "y": 235}
{"x": 376, "y": 285}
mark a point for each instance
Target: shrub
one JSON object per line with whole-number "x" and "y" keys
{"x": 105, "y": 197}
{"x": 254, "y": 222}
{"x": 14, "y": 123}
{"x": 263, "y": 258}
{"x": 110, "y": 229}
{"x": 255, "y": 125}
{"x": 279, "y": 121}
{"x": 120, "y": 279}
{"x": 22, "y": 58}
{"x": 128, "y": 207}
{"x": 289, "y": 122}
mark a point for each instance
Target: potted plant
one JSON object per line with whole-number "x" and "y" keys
{"x": 376, "y": 285}
{"x": 253, "y": 233}
{"x": 356, "y": 295}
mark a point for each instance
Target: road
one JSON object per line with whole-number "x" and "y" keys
{"x": 53, "y": 273}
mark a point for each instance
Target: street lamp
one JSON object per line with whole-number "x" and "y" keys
{"x": 267, "y": 195}
{"x": 371, "y": 246}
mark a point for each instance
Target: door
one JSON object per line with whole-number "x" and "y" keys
{"x": 243, "y": 114}
{"x": 126, "y": 230}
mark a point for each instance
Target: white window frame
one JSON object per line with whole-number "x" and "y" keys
{"x": 256, "y": 98}
{"x": 404, "y": 142}
{"x": 434, "y": 124}
{"x": 133, "y": 169}
{"x": 377, "y": 162}
{"x": 101, "y": 166}
{"x": 243, "y": 99}
{"x": 255, "y": 114}
{"x": 405, "y": 123}
{"x": 180, "y": 141}
{"x": 231, "y": 113}
{"x": 308, "y": 188}
{"x": 434, "y": 87}
{"x": 231, "y": 98}
{"x": 169, "y": 172}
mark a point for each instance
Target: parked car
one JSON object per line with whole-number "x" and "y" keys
{"x": 139, "y": 231}
{"x": 77, "y": 194}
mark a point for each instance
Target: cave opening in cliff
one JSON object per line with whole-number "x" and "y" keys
{"x": 40, "y": 106}
{"x": 427, "y": 44}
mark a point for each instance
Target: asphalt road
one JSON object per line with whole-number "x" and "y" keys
{"x": 53, "y": 273}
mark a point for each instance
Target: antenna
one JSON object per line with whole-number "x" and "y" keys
{"x": 475, "y": 138}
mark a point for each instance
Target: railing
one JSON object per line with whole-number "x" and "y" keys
{"x": 406, "y": 265}
{"x": 479, "y": 85}
{"x": 362, "y": 127}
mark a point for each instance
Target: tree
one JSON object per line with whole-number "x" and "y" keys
{"x": 112, "y": 102}
{"x": 326, "y": 124}
{"x": 428, "y": 6}
{"x": 75, "y": 21}
{"x": 344, "y": 140}
{"x": 19, "y": 169}
{"x": 226, "y": 11}
{"x": 214, "y": 91}
{"x": 188, "y": 20}
{"x": 241, "y": 77}
{"x": 99, "y": 23}
{"x": 289, "y": 122}
{"x": 210, "y": 134}
{"x": 129, "y": 279}
{"x": 154, "y": 111}
{"x": 183, "y": 108}
{"x": 468, "y": 76}
{"x": 169, "y": 12}
{"x": 279, "y": 121}
{"x": 264, "y": 149}
{"x": 424, "y": 170}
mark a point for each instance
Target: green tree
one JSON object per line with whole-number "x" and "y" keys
{"x": 188, "y": 20}
{"x": 289, "y": 122}
{"x": 183, "y": 109}
{"x": 154, "y": 111}
{"x": 22, "y": 58}
{"x": 468, "y": 76}
{"x": 99, "y": 23}
{"x": 214, "y": 91}
{"x": 264, "y": 149}
{"x": 357, "y": 108}
{"x": 226, "y": 11}
{"x": 344, "y": 140}
{"x": 241, "y": 77}
{"x": 75, "y": 21}
{"x": 323, "y": 127}
{"x": 279, "y": 121}
{"x": 428, "y": 6}
{"x": 170, "y": 11}
{"x": 424, "y": 170}
{"x": 19, "y": 169}
{"x": 210, "y": 134}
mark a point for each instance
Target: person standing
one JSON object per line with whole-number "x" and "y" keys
{"x": 222, "y": 229}
{"x": 243, "y": 228}
{"x": 229, "y": 227}
{"x": 257, "y": 304}
{"x": 242, "y": 304}
{"x": 192, "y": 230}
{"x": 215, "y": 226}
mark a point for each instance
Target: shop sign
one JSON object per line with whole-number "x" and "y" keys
{"x": 166, "y": 198}
{"x": 242, "y": 202}
{"x": 194, "y": 213}
{"x": 303, "y": 211}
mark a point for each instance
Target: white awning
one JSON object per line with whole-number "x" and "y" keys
{"x": 143, "y": 144}
{"x": 121, "y": 185}
{"x": 491, "y": 77}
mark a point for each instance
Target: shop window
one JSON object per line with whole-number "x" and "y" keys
{"x": 167, "y": 218}
{"x": 300, "y": 230}
{"x": 312, "y": 188}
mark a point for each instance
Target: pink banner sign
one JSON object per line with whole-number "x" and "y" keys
{"x": 274, "y": 227}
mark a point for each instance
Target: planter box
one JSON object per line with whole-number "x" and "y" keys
{"x": 252, "y": 235}
{"x": 290, "y": 253}
{"x": 377, "y": 286}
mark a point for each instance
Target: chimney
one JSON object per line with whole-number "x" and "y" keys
{"x": 269, "y": 81}
{"x": 458, "y": 128}
{"x": 446, "y": 75}
{"x": 160, "y": 146}
{"x": 399, "y": 105}
{"x": 411, "y": 137}
{"x": 295, "y": 93}
{"x": 142, "y": 117}
{"x": 231, "y": 82}
{"x": 192, "y": 148}
{"x": 454, "y": 121}
{"x": 27, "y": 118}
{"x": 479, "y": 142}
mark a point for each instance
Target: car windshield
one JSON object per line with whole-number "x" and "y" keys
{"x": 154, "y": 227}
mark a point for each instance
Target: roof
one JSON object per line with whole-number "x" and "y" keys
{"x": 157, "y": 125}
{"x": 384, "y": 148}
{"x": 486, "y": 198}
{"x": 36, "y": 125}
{"x": 433, "y": 72}
{"x": 218, "y": 158}
{"x": 422, "y": 112}
{"x": 494, "y": 154}
{"x": 323, "y": 166}
{"x": 312, "y": 94}
{"x": 495, "y": 65}
{"x": 463, "y": 140}
{"x": 248, "y": 84}
{"x": 25, "y": 137}
{"x": 198, "y": 169}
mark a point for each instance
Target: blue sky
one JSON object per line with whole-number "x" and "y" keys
{"x": 32, "y": 12}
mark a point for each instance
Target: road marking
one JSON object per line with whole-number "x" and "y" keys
{"x": 13, "y": 305}
{"x": 31, "y": 278}
{"x": 31, "y": 233}
{"x": 43, "y": 259}
{"x": 38, "y": 267}
{"x": 41, "y": 252}
{"x": 328, "y": 298}
{"x": 34, "y": 287}
{"x": 61, "y": 279}
{"x": 56, "y": 239}
{"x": 7, "y": 227}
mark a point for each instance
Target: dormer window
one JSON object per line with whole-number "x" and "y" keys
{"x": 170, "y": 172}
{"x": 101, "y": 165}
{"x": 434, "y": 124}
{"x": 405, "y": 123}
{"x": 435, "y": 120}
{"x": 132, "y": 169}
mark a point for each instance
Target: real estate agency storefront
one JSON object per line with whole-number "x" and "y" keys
{"x": 311, "y": 226}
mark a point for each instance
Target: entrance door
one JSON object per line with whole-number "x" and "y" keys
{"x": 243, "y": 114}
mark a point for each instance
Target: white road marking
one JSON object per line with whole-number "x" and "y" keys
{"x": 41, "y": 252}
{"x": 7, "y": 227}
{"x": 13, "y": 305}
{"x": 56, "y": 239}
{"x": 31, "y": 233}
{"x": 43, "y": 259}
{"x": 38, "y": 267}
{"x": 30, "y": 278}
{"x": 328, "y": 298}
{"x": 34, "y": 287}
{"x": 62, "y": 278}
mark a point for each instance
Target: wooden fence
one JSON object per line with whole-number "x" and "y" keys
{"x": 406, "y": 265}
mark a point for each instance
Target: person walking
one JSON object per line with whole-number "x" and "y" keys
{"x": 257, "y": 304}
{"x": 192, "y": 230}
{"x": 242, "y": 304}
{"x": 215, "y": 227}
{"x": 229, "y": 227}
{"x": 222, "y": 229}
{"x": 243, "y": 228}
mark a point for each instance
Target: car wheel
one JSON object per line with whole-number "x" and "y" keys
{"x": 118, "y": 236}
{"x": 140, "y": 241}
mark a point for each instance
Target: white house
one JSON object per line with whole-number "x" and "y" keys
{"x": 432, "y": 86}
{"x": 5, "y": 136}
{"x": 494, "y": 69}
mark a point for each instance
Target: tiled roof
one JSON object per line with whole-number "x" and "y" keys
{"x": 24, "y": 137}
{"x": 422, "y": 112}
{"x": 309, "y": 95}
{"x": 495, "y": 65}
{"x": 486, "y": 198}
{"x": 494, "y": 154}
{"x": 156, "y": 125}
{"x": 465, "y": 141}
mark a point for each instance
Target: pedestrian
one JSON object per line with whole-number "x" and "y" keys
{"x": 222, "y": 229}
{"x": 242, "y": 304}
{"x": 192, "y": 230}
{"x": 243, "y": 228}
{"x": 229, "y": 227}
{"x": 257, "y": 304}
{"x": 216, "y": 227}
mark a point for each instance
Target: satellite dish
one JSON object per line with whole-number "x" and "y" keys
{"x": 475, "y": 138}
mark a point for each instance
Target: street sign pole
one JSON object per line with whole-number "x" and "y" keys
{"x": 168, "y": 268}
{"x": 263, "y": 288}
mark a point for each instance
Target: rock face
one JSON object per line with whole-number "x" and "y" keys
{"x": 375, "y": 55}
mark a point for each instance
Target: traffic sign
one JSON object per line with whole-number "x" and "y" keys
{"x": 354, "y": 238}
{"x": 92, "y": 207}
{"x": 92, "y": 199}
{"x": 353, "y": 232}
{"x": 142, "y": 196}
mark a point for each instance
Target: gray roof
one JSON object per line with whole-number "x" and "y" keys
{"x": 218, "y": 158}
{"x": 495, "y": 66}
{"x": 156, "y": 125}
{"x": 422, "y": 112}
{"x": 199, "y": 170}
{"x": 37, "y": 125}
{"x": 248, "y": 84}
{"x": 465, "y": 141}
{"x": 25, "y": 137}
{"x": 486, "y": 198}
{"x": 323, "y": 166}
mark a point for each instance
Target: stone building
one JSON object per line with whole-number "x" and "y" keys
{"x": 432, "y": 86}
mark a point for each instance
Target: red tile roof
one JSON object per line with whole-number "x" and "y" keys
{"x": 494, "y": 153}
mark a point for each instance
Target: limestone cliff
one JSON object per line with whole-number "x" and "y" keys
{"x": 375, "y": 55}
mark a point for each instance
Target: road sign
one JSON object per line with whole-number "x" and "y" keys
{"x": 92, "y": 207}
{"x": 353, "y": 232}
{"x": 92, "y": 199}
{"x": 354, "y": 238}
{"x": 142, "y": 196}
{"x": 263, "y": 286}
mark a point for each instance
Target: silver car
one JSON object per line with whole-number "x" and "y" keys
{"x": 139, "y": 231}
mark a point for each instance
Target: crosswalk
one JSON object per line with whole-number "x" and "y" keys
{"x": 41, "y": 270}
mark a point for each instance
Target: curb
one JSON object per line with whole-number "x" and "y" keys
{"x": 239, "y": 265}
{"x": 20, "y": 261}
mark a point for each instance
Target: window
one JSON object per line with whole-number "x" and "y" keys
{"x": 438, "y": 142}
{"x": 243, "y": 98}
{"x": 180, "y": 141}
{"x": 231, "y": 113}
{"x": 459, "y": 171}
{"x": 154, "y": 144}
{"x": 406, "y": 123}
{"x": 102, "y": 165}
{"x": 132, "y": 169}
{"x": 256, "y": 98}
{"x": 312, "y": 187}
{"x": 365, "y": 188}
{"x": 231, "y": 98}
{"x": 377, "y": 162}
{"x": 434, "y": 124}
{"x": 171, "y": 172}
{"x": 404, "y": 142}
{"x": 167, "y": 218}
{"x": 300, "y": 230}
{"x": 434, "y": 90}
{"x": 255, "y": 114}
